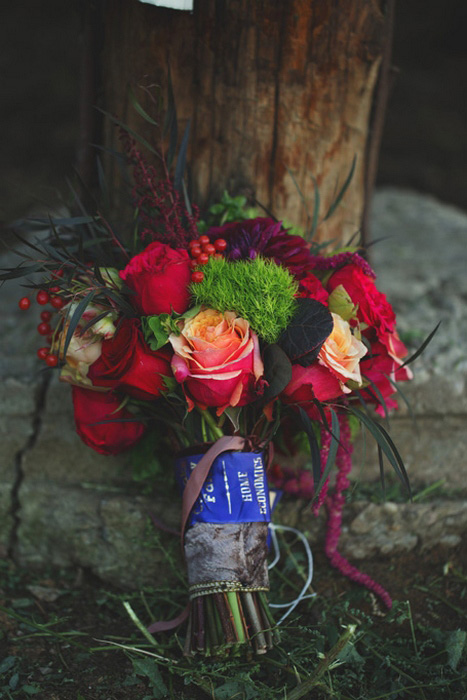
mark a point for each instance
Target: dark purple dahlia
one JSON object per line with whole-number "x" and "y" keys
{"x": 266, "y": 237}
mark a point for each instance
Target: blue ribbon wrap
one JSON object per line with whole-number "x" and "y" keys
{"x": 235, "y": 491}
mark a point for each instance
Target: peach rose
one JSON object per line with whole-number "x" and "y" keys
{"x": 341, "y": 353}
{"x": 217, "y": 360}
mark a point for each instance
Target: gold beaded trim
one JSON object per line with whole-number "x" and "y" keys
{"x": 201, "y": 589}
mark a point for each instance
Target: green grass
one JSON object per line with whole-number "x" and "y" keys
{"x": 341, "y": 644}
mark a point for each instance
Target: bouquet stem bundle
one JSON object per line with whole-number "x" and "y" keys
{"x": 226, "y": 560}
{"x": 223, "y": 623}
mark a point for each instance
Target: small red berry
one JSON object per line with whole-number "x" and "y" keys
{"x": 57, "y": 273}
{"x": 43, "y": 328}
{"x": 220, "y": 245}
{"x": 209, "y": 249}
{"x": 193, "y": 264}
{"x": 42, "y": 353}
{"x": 195, "y": 251}
{"x": 54, "y": 290}
{"x": 24, "y": 303}
{"x": 218, "y": 256}
{"x": 51, "y": 360}
{"x": 42, "y": 297}
{"x": 197, "y": 276}
{"x": 46, "y": 315}
{"x": 57, "y": 302}
{"x": 202, "y": 259}
{"x": 204, "y": 239}
{"x": 195, "y": 241}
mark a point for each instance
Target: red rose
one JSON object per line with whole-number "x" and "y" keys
{"x": 107, "y": 438}
{"x": 160, "y": 277}
{"x": 311, "y": 288}
{"x": 373, "y": 307}
{"x": 378, "y": 366}
{"x": 308, "y": 383}
{"x": 128, "y": 364}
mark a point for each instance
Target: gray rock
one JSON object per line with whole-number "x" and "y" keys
{"x": 382, "y": 530}
{"x": 379, "y": 530}
{"x": 106, "y": 532}
{"x": 435, "y": 449}
{"x": 15, "y": 433}
{"x": 421, "y": 268}
{"x": 59, "y": 454}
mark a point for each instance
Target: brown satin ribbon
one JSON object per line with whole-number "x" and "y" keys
{"x": 166, "y": 625}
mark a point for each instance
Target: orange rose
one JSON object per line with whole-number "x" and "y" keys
{"x": 217, "y": 360}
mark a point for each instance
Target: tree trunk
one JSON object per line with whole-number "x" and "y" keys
{"x": 279, "y": 93}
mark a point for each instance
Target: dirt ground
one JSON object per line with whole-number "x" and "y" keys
{"x": 79, "y": 611}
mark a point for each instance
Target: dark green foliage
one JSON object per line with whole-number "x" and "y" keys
{"x": 277, "y": 371}
{"x": 310, "y": 326}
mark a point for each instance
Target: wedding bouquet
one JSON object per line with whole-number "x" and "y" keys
{"x": 239, "y": 342}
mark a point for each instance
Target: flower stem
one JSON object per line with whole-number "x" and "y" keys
{"x": 224, "y": 617}
{"x": 260, "y": 641}
{"x": 214, "y": 428}
{"x": 238, "y": 622}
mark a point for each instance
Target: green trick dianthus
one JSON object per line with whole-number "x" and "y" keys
{"x": 258, "y": 290}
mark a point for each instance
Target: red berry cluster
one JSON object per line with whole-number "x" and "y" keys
{"x": 201, "y": 249}
{"x": 44, "y": 328}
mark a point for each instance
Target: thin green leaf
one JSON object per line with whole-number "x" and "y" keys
{"x": 300, "y": 193}
{"x": 335, "y": 439}
{"x": 181, "y": 160}
{"x": 422, "y": 347}
{"x": 64, "y": 221}
{"x": 316, "y": 205}
{"x": 93, "y": 321}
{"x": 322, "y": 413}
{"x": 381, "y": 471}
{"x": 170, "y": 121}
{"x": 76, "y": 317}
{"x": 386, "y": 444}
{"x": 342, "y": 191}
{"x": 119, "y": 301}
{"x": 139, "y": 138}
{"x": 314, "y": 447}
{"x": 54, "y": 254}
{"x": 141, "y": 111}
{"x": 171, "y": 112}
{"x": 398, "y": 457}
{"x": 81, "y": 207}
{"x": 13, "y": 273}
{"x": 316, "y": 247}
{"x": 378, "y": 395}
{"x": 186, "y": 198}
{"x": 377, "y": 240}
{"x": 405, "y": 400}
{"x": 26, "y": 242}
{"x": 103, "y": 185}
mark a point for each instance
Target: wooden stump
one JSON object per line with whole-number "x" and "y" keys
{"x": 272, "y": 88}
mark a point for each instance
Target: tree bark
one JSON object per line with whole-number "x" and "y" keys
{"x": 279, "y": 94}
